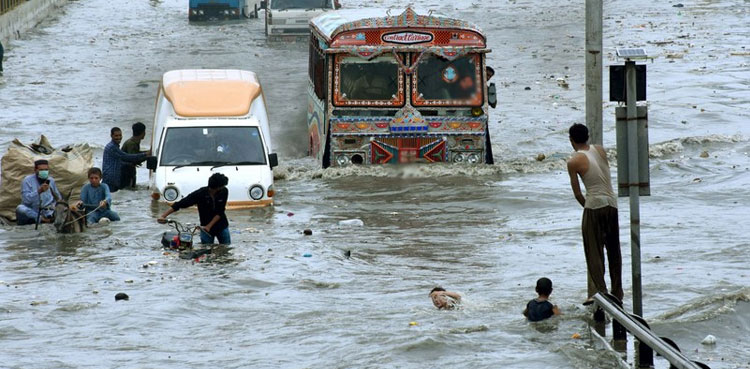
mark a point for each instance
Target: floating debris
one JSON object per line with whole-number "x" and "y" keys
{"x": 122, "y": 296}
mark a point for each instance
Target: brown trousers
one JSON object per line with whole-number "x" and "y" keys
{"x": 601, "y": 229}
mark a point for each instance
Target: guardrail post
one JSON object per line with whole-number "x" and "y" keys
{"x": 644, "y": 353}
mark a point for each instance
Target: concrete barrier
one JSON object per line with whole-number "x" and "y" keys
{"x": 24, "y": 17}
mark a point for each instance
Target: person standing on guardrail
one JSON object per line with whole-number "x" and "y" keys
{"x": 540, "y": 308}
{"x": 212, "y": 203}
{"x": 600, "y": 226}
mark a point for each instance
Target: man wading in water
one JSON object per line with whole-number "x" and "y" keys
{"x": 600, "y": 224}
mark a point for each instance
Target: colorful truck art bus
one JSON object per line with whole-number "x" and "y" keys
{"x": 397, "y": 89}
{"x": 222, "y": 9}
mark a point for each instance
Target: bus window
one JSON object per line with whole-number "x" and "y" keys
{"x": 301, "y": 4}
{"x": 439, "y": 80}
{"x": 317, "y": 69}
{"x": 362, "y": 82}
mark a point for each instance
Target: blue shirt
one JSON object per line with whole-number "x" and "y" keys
{"x": 112, "y": 161}
{"x": 539, "y": 310}
{"x": 91, "y": 196}
{"x": 30, "y": 193}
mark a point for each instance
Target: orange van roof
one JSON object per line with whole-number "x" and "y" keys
{"x": 210, "y": 92}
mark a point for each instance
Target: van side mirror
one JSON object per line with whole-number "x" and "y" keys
{"x": 263, "y": 4}
{"x": 492, "y": 95}
{"x": 151, "y": 163}
{"x": 273, "y": 160}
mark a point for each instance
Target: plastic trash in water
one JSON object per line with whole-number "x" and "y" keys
{"x": 352, "y": 222}
{"x": 709, "y": 340}
{"x": 307, "y": 255}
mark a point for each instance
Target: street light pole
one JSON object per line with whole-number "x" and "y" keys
{"x": 594, "y": 70}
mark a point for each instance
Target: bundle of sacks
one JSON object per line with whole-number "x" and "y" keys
{"x": 67, "y": 165}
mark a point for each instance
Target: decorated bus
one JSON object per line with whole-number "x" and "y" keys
{"x": 397, "y": 88}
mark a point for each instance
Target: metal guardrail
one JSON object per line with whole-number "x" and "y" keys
{"x": 8, "y": 5}
{"x": 647, "y": 339}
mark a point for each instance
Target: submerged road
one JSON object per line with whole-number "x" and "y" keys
{"x": 487, "y": 232}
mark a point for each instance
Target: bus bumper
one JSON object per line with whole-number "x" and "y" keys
{"x": 213, "y": 12}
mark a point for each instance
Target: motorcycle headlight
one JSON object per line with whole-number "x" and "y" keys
{"x": 458, "y": 158}
{"x": 171, "y": 193}
{"x": 473, "y": 158}
{"x": 256, "y": 192}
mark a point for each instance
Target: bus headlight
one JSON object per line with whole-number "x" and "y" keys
{"x": 342, "y": 160}
{"x": 256, "y": 192}
{"x": 473, "y": 158}
{"x": 458, "y": 158}
{"x": 171, "y": 193}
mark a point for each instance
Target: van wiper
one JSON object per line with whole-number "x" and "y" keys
{"x": 198, "y": 163}
{"x": 237, "y": 163}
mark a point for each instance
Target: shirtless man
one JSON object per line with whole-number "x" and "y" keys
{"x": 600, "y": 225}
{"x": 444, "y": 300}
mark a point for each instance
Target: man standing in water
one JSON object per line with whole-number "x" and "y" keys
{"x": 132, "y": 146}
{"x": 113, "y": 159}
{"x": 600, "y": 225}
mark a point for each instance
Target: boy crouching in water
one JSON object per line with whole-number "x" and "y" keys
{"x": 539, "y": 308}
{"x": 444, "y": 300}
{"x": 96, "y": 200}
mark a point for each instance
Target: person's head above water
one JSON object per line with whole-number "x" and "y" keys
{"x": 443, "y": 299}
{"x": 544, "y": 286}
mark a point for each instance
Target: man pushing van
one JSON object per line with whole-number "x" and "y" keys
{"x": 212, "y": 203}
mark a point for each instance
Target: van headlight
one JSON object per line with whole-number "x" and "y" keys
{"x": 256, "y": 192}
{"x": 171, "y": 193}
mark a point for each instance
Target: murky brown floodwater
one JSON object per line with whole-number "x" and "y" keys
{"x": 488, "y": 232}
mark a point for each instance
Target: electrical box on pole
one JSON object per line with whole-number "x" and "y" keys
{"x": 624, "y": 156}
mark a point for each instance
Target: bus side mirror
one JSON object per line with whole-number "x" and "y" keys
{"x": 273, "y": 160}
{"x": 151, "y": 163}
{"x": 263, "y": 4}
{"x": 492, "y": 95}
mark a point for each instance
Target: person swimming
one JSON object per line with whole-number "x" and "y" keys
{"x": 444, "y": 300}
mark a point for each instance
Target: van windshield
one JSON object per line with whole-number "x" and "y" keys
{"x": 186, "y": 146}
{"x": 301, "y": 4}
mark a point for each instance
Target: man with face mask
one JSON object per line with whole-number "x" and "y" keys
{"x": 37, "y": 190}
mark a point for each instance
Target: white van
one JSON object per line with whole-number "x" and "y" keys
{"x": 290, "y": 19}
{"x": 212, "y": 121}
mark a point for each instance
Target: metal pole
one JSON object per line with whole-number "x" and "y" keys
{"x": 644, "y": 334}
{"x": 594, "y": 70}
{"x": 635, "y": 216}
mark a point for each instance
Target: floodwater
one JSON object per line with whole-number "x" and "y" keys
{"x": 487, "y": 232}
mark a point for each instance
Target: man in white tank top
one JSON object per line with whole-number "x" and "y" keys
{"x": 600, "y": 226}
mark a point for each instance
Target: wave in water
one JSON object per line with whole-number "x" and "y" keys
{"x": 705, "y": 308}
{"x": 308, "y": 168}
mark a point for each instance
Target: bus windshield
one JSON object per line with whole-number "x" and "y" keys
{"x": 212, "y": 146}
{"x": 442, "y": 79}
{"x": 301, "y": 4}
{"x": 374, "y": 80}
